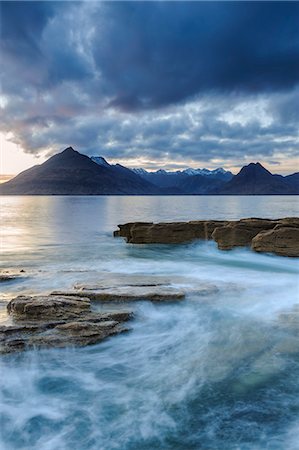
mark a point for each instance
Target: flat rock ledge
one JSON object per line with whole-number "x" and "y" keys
{"x": 65, "y": 318}
{"x": 126, "y": 293}
{"x": 139, "y": 288}
{"x": 280, "y": 236}
{"x": 57, "y": 321}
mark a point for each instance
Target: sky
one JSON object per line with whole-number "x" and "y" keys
{"x": 151, "y": 84}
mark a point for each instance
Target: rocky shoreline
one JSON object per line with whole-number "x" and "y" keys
{"x": 279, "y": 236}
{"x": 46, "y": 321}
{"x": 69, "y": 318}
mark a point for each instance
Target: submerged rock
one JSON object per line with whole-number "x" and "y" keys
{"x": 7, "y": 277}
{"x": 290, "y": 319}
{"x": 12, "y": 275}
{"x": 228, "y": 234}
{"x": 57, "y": 321}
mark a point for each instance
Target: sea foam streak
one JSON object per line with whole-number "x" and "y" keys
{"x": 206, "y": 372}
{"x": 218, "y": 371}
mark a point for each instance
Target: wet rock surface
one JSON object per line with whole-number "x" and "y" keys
{"x": 263, "y": 235}
{"x": 290, "y": 320}
{"x": 282, "y": 240}
{"x": 128, "y": 293}
{"x": 167, "y": 233}
{"x": 7, "y": 276}
{"x": 57, "y": 321}
{"x": 65, "y": 318}
{"x": 130, "y": 288}
{"x": 47, "y": 307}
{"x": 240, "y": 233}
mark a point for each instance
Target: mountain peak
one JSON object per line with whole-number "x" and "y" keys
{"x": 254, "y": 168}
{"x": 256, "y": 165}
{"x": 69, "y": 150}
{"x": 68, "y": 157}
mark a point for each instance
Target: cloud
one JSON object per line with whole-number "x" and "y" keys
{"x": 155, "y": 54}
{"x": 162, "y": 81}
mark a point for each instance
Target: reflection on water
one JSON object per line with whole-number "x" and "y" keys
{"x": 213, "y": 372}
{"x": 28, "y": 222}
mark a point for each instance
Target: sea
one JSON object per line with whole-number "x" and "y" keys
{"x": 214, "y": 372}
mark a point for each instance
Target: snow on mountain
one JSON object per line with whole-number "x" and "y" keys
{"x": 204, "y": 171}
{"x": 220, "y": 172}
{"x": 100, "y": 161}
{"x": 140, "y": 171}
{"x": 190, "y": 171}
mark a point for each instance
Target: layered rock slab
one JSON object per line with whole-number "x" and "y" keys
{"x": 227, "y": 234}
{"x": 127, "y": 293}
{"x": 282, "y": 240}
{"x": 167, "y": 233}
{"x": 133, "y": 288}
{"x": 57, "y": 321}
{"x": 47, "y": 307}
{"x": 240, "y": 233}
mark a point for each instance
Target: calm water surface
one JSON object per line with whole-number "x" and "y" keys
{"x": 216, "y": 372}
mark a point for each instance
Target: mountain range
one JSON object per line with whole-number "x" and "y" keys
{"x": 72, "y": 173}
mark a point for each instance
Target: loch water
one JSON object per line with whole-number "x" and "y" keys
{"x": 208, "y": 373}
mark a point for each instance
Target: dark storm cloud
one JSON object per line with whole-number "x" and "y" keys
{"x": 25, "y": 20}
{"x": 151, "y": 79}
{"x": 160, "y": 53}
{"x": 38, "y": 51}
{"x": 153, "y": 54}
{"x": 22, "y": 24}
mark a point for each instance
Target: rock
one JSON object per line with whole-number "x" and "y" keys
{"x": 167, "y": 233}
{"x": 292, "y": 222}
{"x": 124, "y": 230}
{"x": 75, "y": 333}
{"x": 288, "y": 345}
{"x": 127, "y": 293}
{"x": 12, "y": 274}
{"x": 120, "y": 280}
{"x": 123, "y": 287}
{"x": 118, "y": 316}
{"x": 57, "y": 321}
{"x": 282, "y": 240}
{"x": 72, "y": 336}
{"x": 290, "y": 319}
{"x": 47, "y": 307}
{"x": 240, "y": 233}
{"x": 227, "y": 234}
{"x": 86, "y": 327}
{"x": 4, "y": 277}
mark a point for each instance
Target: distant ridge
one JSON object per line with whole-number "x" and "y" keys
{"x": 72, "y": 173}
{"x": 164, "y": 178}
{"x": 254, "y": 179}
